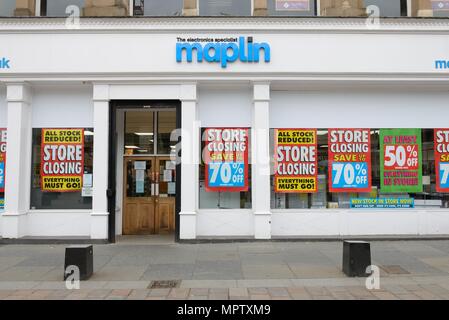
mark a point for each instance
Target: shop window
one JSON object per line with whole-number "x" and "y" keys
{"x": 291, "y": 8}
{"x": 429, "y": 198}
{"x": 7, "y": 8}
{"x": 166, "y": 124}
{"x": 139, "y": 132}
{"x": 355, "y": 8}
{"x": 223, "y": 199}
{"x": 439, "y": 8}
{"x": 389, "y": 8}
{"x": 225, "y": 7}
{"x": 58, "y": 8}
{"x": 58, "y": 181}
{"x": 3, "y": 138}
{"x": 157, "y": 7}
{"x": 149, "y": 132}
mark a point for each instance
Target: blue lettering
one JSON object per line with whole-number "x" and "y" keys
{"x": 224, "y": 53}
{"x": 189, "y": 51}
{"x": 216, "y": 48}
{"x": 441, "y": 64}
{"x": 225, "y": 57}
{"x": 4, "y": 63}
{"x": 266, "y": 49}
{"x": 242, "y": 49}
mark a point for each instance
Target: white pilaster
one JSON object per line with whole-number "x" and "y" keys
{"x": 190, "y": 141}
{"x": 99, "y": 216}
{"x": 18, "y": 160}
{"x": 260, "y": 148}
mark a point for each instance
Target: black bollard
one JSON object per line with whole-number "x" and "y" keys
{"x": 356, "y": 258}
{"x": 81, "y": 257}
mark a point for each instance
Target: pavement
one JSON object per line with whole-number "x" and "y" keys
{"x": 410, "y": 270}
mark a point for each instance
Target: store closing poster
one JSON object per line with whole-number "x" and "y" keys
{"x": 400, "y": 160}
{"x": 62, "y": 160}
{"x": 2, "y": 165}
{"x": 349, "y": 160}
{"x": 441, "y": 139}
{"x": 226, "y": 159}
{"x": 296, "y": 161}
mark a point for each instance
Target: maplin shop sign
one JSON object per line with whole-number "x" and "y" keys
{"x": 222, "y": 50}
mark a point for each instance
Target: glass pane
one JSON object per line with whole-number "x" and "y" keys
{"x": 428, "y": 199}
{"x": 223, "y": 199}
{"x": 138, "y": 178}
{"x": 167, "y": 178}
{"x": 59, "y": 200}
{"x": 225, "y": 7}
{"x": 165, "y": 125}
{"x": 7, "y": 8}
{"x": 440, "y": 8}
{"x": 139, "y": 132}
{"x": 57, "y": 8}
{"x": 388, "y": 8}
{"x": 158, "y": 8}
{"x": 291, "y": 8}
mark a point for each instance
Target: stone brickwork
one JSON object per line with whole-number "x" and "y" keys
{"x": 260, "y": 8}
{"x": 25, "y": 8}
{"x": 422, "y": 8}
{"x": 343, "y": 8}
{"x": 190, "y": 8}
{"x": 105, "y": 8}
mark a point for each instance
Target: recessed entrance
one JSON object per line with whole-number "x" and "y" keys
{"x": 147, "y": 179}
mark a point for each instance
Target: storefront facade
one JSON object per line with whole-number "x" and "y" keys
{"x": 143, "y": 112}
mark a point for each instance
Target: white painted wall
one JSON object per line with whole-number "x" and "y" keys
{"x": 57, "y": 223}
{"x": 62, "y": 106}
{"x": 225, "y": 107}
{"x": 291, "y": 52}
{"x": 369, "y": 109}
{"x": 359, "y": 109}
{"x": 3, "y": 107}
{"x": 226, "y": 223}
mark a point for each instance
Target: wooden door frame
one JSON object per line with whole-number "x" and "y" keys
{"x": 114, "y": 106}
{"x": 153, "y": 161}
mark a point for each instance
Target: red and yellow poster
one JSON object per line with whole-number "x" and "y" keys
{"x": 62, "y": 160}
{"x": 226, "y": 158}
{"x": 441, "y": 139}
{"x": 349, "y": 160}
{"x": 296, "y": 161}
{"x": 2, "y": 159}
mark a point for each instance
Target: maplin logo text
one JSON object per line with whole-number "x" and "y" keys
{"x": 4, "y": 63}
{"x": 224, "y": 52}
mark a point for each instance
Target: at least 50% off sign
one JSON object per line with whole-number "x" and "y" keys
{"x": 226, "y": 174}
{"x": 400, "y": 157}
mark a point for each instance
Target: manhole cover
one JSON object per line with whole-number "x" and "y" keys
{"x": 163, "y": 284}
{"x": 394, "y": 270}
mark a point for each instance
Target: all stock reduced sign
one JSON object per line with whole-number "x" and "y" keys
{"x": 349, "y": 160}
{"x": 226, "y": 159}
{"x": 62, "y": 160}
{"x": 296, "y": 161}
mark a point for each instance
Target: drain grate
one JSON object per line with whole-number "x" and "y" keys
{"x": 394, "y": 269}
{"x": 164, "y": 284}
